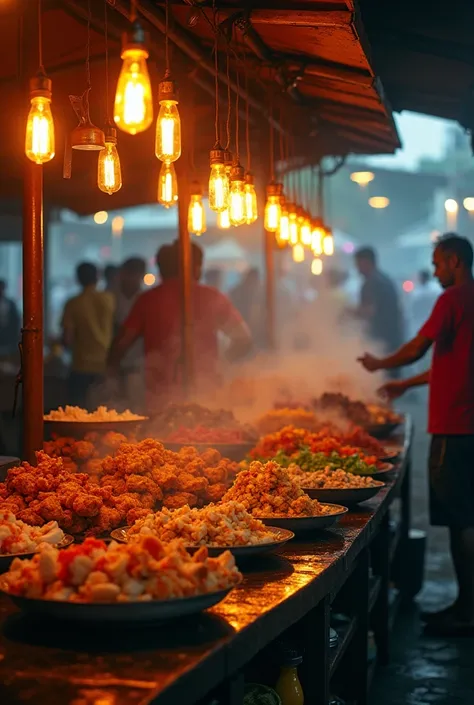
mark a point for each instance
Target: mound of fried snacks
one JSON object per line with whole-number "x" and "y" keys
{"x": 268, "y": 490}
{"x": 18, "y": 537}
{"x": 329, "y": 479}
{"x": 144, "y": 570}
{"x": 102, "y": 413}
{"x": 224, "y": 524}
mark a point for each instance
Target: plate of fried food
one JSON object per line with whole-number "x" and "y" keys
{"x": 19, "y": 540}
{"x": 76, "y": 422}
{"x": 226, "y": 526}
{"x": 269, "y": 493}
{"x": 336, "y": 485}
{"x": 141, "y": 581}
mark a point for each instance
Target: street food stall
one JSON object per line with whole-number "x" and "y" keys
{"x": 116, "y": 525}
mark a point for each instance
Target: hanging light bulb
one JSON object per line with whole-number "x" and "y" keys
{"x": 305, "y": 230}
{"x": 109, "y": 174}
{"x": 273, "y": 207}
{"x": 167, "y": 186}
{"x": 328, "y": 243}
{"x": 283, "y": 233}
{"x": 218, "y": 181}
{"x": 298, "y": 253}
{"x": 317, "y": 234}
{"x": 251, "y": 210}
{"x": 223, "y": 220}
{"x": 196, "y": 212}
{"x": 317, "y": 266}
{"x": 168, "y": 124}
{"x": 133, "y": 108}
{"x": 237, "y": 210}
{"x": 39, "y": 140}
{"x": 292, "y": 224}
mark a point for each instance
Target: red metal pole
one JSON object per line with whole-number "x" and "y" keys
{"x": 32, "y": 332}
{"x": 269, "y": 249}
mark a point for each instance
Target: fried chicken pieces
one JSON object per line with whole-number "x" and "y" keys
{"x": 138, "y": 478}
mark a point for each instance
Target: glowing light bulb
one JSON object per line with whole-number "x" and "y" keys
{"x": 305, "y": 232}
{"x": 379, "y": 202}
{"x": 237, "y": 211}
{"x": 39, "y": 139}
{"x": 317, "y": 266}
{"x": 101, "y": 217}
{"x": 328, "y": 243}
{"x": 196, "y": 214}
{"x": 362, "y": 177}
{"x": 223, "y": 220}
{"x": 317, "y": 235}
{"x": 109, "y": 173}
{"x": 298, "y": 253}
{"x": 284, "y": 229}
{"x": 451, "y": 205}
{"x": 133, "y": 108}
{"x": 293, "y": 230}
{"x": 149, "y": 279}
{"x": 272, "y": 208}
{"x": 218, "y": 181}
{"x": 168, "y": 124}
{"x": 251, "y": 210}
{"x": 468, "y": 204}
{"x": 167, "y": 186}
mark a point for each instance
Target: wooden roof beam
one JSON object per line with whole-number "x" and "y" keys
{"x": 294, "y": 17}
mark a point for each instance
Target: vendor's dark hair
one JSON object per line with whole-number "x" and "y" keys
{"x": 168, "y": 262}
{"x": 86, "y": 273}
{"x": 134, "y": 265}
{"x": 367, "y": 253}
{"x": 457, "y": 245}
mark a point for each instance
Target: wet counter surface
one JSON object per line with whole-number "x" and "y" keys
{"x": 180, "y": 662}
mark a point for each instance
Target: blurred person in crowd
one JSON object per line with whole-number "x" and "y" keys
{"x": 423, "y": 299}
{"x": 9, "y": 323}
{"x": 248, "y": 298}
{"x": 130, "y": 285}
{"x": 213, "y": 277}
{"x": 379, "y": 306}
{"x": 111, "y": 278}
{"x": 157, "y": 318}
{"x": 450, "y": 330}
{"x": 87, "y": 324}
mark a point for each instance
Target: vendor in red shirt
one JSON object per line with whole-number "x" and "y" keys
{"x": 156, "y": 317}
{"x": 450, "y": 328}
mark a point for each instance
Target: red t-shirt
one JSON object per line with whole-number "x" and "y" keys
{"x": 156, "y": 316}
{"x": 451, "y": 328}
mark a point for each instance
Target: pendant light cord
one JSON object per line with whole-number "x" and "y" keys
{"x": 88, "y": 45}
{"x": 229, "y": 101}
{"x": 40, "y": 37}
{"x": 216, "y": 76}
{"x": 106, "y": 34}
{"x": 272, "y": 143}
{"x": 167, "y": 43}
{"x": 237, "y": 121}
{"x": 247, "y": 119}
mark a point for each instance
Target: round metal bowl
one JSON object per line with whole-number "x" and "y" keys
{"x": 281, "y": 536}
{"x": 78, "y": 429}
{"x": 382, "y": 430}
{"x": 7, "y": 559}
{"x": 302, "y": 524}
{"x": 349, "y": 497}
{"x": 117, "y": 612}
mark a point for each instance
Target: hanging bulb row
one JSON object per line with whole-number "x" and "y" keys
{"x": 232, "y": 192}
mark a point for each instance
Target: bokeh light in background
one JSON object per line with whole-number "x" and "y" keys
{"x": 362, "y": 177}
{"x": 101, "y": 217}
{"x": 149, "y": 279}
{"x": 408, "y": 286}
{"x": 468, "y": 204}
{"x": 348, "y": 248}
{"x": 117, "y": 226}
{"x": 451, "y": 206}
{"x": 379, "y": 202}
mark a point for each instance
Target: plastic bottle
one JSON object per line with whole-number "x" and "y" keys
{"x": 288, "y": 684}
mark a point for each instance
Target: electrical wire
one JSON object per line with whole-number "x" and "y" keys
{"x": 40, "y": 37}
{"x": 247, "y": 120}
{"x": 216, "y": 76}
{"x": 88, "y": 45}
{"x": 106, "y": 34}
{"x": 237, "y": 119}
{"x": 167, "y": 50}
{"x": 272, "y": 143}
{"x": 229, "y": 102}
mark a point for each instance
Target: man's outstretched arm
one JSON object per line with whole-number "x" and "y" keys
{"x": 406, "y": 355}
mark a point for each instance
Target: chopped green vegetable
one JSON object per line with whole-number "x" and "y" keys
{"x": 310, "y": 462}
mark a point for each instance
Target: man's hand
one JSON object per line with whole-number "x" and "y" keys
{"x": 370, "y": 363}
{"x": 392, "y": 390}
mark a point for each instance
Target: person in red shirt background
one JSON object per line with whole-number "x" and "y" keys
{"x": 156, "y": 317}
{"x": 450, "y": 328}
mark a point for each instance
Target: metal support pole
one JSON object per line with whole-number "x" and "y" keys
{"x": 32, "y": 332}
{"x": 186, "y": 278}
{"x": 269, "y": 247}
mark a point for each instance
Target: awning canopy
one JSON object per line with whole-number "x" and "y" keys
{"x": 306, "y": 64}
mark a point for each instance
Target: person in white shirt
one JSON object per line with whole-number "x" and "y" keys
{"x": 130, "y": 283}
